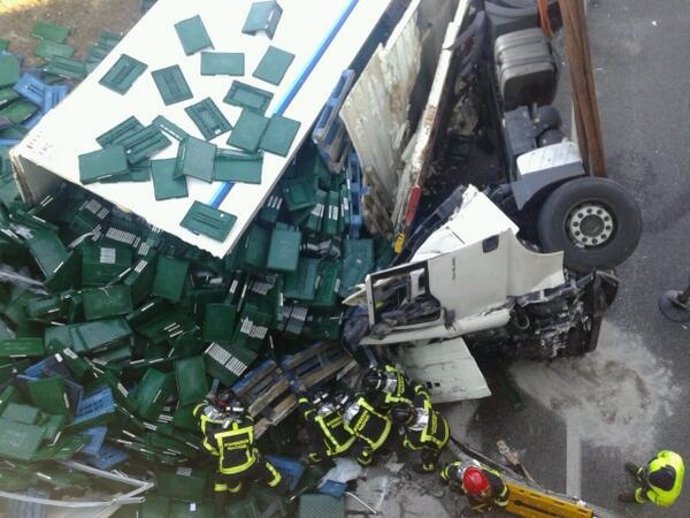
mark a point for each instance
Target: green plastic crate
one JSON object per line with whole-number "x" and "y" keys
{"x": 283, "y": 252}
{"x": 102, "y": 264}
{"x": 152, "y": 391}
{"x": 188, "y": 484}
{"x": 192, "y": 382}
{"x": 320, "y": 506}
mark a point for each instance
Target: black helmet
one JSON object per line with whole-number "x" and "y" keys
{"x": 373, "y": 380}
{"x": 402, "y": 413}
{"x": 227, "y": 401}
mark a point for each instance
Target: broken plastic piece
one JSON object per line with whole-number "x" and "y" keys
{"x": 273, "y": 65}
{"x": 123, "y": 73}
{"x": 238, "y": 166}
{"x": 193, "y": 35}
{"x": 195, "y": 158}
{"x": 247, "y": 96}
{"x": 263, "y": 16}
{"x": 248, "y": 130}
{"x": 279, "y": 135}
{"x": 165, "y": 185}
{"x": 208, "y": 221}
{"x": 109, "y": 161}
{"x": 222, "y": 63}
{"x": 172, "y": 85}
{"x": 208, "y": 118}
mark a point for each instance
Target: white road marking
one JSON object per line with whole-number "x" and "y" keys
{"x": 573, "y": 462}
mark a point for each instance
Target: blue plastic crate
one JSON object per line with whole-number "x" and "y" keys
{"x": 333, "y": 488}
{"x": 52, "y": 96}
{"x": 95, "y": 405}
{"x": 48, "y": 367}
{"x": 107, "y": 458}
{"x": 96, "y": 436}
{"x": 291, "y": 469}
{"x": 31, "y": 88}
{"x": 329, "y": 113}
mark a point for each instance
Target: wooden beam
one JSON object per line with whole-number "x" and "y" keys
{"x": 583, "y": 87}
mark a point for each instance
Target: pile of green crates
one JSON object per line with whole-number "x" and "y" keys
{"x": 111, "y": 331}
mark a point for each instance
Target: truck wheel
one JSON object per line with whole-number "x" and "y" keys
{"x": 594, "y": 221}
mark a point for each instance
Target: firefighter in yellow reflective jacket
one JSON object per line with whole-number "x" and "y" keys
{"x": 370, "y": 427}
{"x": 483, "y": 486}
{"x": 327, "y": 434}
{"x": 423, "y": 428}
{"x": 228, "y": 433}
{"x": 386, "y": 386}
{"x": 661, "y": 480}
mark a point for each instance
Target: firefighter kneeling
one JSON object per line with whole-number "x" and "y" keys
{"x": 228, "y": 431}
{"x": 370, "y": 427}
{"x": 423, "y": 428}
{"x": 324, "y": 418}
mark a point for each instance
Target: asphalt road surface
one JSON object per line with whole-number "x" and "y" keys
{"x": 583, "y": 418}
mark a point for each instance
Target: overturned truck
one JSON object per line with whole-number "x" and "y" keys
{"x": 519, "y": 259}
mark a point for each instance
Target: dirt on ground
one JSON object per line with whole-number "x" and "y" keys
{"x": 86, "y": 19}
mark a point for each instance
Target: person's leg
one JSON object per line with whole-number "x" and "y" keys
{"x": 223, "y": 488}
{"x": 429, "y": 458}
{"x": 361, "y": 451}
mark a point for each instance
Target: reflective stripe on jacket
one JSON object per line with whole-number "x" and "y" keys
{"x": 330, "y": 426}
{"x": 363, "y": 421}
{"x": 431, "y": 429}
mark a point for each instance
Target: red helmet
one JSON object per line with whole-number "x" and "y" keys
{"x": 475, "y": 482}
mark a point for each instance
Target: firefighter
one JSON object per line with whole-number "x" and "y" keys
{"x": 386, "y": 386}
{"x": 327, "y": 434}
{"x": 423, "y": 429}
{"x": 370, "y": 427}
{"x": 228, "y": 434}
{"x": 661, "y": 480}
{"x": 483, "y": 486}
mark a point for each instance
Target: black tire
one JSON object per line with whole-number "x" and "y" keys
{"x": 594, "y": 221}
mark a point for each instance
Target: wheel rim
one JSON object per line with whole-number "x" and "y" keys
{"x": 590, "y": 225}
